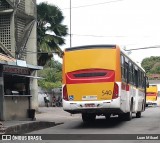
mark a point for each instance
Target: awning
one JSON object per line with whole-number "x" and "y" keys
{"x": 34, "y": 67}
{"x": 7, "y": 60}
{"x": 29, "y": 76}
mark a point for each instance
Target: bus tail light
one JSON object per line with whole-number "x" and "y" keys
{"x": 115, "y": 91}
{"x": 65, "y": 94}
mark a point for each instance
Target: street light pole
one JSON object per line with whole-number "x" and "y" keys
{"x": 70, "y": 25}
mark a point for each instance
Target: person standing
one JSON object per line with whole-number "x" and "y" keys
{"x": 46, "y": 100}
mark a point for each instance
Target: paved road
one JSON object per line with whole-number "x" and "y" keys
{"x": 148, "y": 124}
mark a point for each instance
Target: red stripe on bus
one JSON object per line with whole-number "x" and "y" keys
{"x": 90, "y": 76}
{"x": 151, "y": 94}
{"x": 125, "y": 86}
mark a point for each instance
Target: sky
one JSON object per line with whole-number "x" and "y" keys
{"x": 131, "y": 24}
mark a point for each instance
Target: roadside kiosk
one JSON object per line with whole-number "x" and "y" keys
{"x": 16, "y": 78}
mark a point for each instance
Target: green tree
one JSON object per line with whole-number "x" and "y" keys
{"x": 52, "y": 74}
{"x": 151, "y": 65}
{"x": 50, "y": 32}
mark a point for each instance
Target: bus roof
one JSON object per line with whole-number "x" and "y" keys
{"x": 108, "y": 46}
{"x": 90, "y": 47}
{"x": 136, "y": 63}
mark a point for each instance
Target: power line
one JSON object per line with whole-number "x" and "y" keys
{"x": 151, "y": 47}
{"x": 31, "y": 52}
{"x": 92, "y": 4}
{"x": 121, "y": 36}
{"x": 96, "y": 35}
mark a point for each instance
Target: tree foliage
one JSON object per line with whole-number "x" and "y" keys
{"x": 50, "y": 36}
{"x": 52, "y": 74}
{"x": 151, "y": 65}
{"x": 50, "y": 32}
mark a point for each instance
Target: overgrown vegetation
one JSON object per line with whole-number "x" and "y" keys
{"x": 151, "y": 65}
{"x": 50, "y": 32}
{"x": 50, "y": 36}
{"x": 52, "y": 74}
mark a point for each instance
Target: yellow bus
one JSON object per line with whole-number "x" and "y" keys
{"x": 102, "y": 80}
{"x": 152, "y": 93}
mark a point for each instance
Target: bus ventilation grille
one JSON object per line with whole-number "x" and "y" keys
{"x": 90, "y": 74}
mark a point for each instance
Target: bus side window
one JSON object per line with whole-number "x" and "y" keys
{"x": 127, "y": 72}
{"x": 139, "y": 78}
{"x": 130, "y": 73}
{"x": 133, "y": 75}
{"x": 136, "y": 77}
{"x": 143, "y": 80}
{"x": 122, "y": 68}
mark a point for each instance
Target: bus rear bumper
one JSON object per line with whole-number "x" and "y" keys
{"x": 97, "y": 107}
{"x": 151, "y": 102}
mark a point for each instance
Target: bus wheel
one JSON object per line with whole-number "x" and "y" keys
{"x": 138, "y": 115}
{"x": 128, "y": 115}
{"x": 88, "y": 117}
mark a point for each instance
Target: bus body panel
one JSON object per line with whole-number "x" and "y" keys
{"x": 84, "y": 89}
{"x": 92, "y": 77}
{"x": 86, "y": 58}
{"x": 90, "y": 91}
{"x": 100, "y": 107}
{"x": 104, "y": 58}
{"x": 152, "y": 92}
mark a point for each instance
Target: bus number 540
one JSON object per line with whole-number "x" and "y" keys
{"x": 106, "y": 92}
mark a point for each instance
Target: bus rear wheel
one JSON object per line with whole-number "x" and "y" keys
{"x": 127, "y": 116}
{"x": 138, "y": 114}
{"x": 88, "y": 117}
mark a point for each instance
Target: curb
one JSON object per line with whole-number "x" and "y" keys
{"x": 2, "y": 128}
{"x": 29, "y": 127}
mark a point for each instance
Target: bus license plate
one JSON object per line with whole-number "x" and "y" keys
{"x": 91, "y": 97}
{"x": 89, "y": 105}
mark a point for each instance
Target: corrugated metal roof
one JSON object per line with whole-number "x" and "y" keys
{"x": 6, "y": 58}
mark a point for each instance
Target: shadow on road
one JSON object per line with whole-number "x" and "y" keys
{"x": 103, "y": 123}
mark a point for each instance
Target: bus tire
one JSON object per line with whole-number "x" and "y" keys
{"x": 125, "y": 116}
{"x": 128, "y": 115}
{"x": 88, "y": 117}
{"x": 138, "y": 114}
{"x": 143, "y": 107}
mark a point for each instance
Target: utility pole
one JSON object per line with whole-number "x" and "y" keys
{"x": 70, "y": 24}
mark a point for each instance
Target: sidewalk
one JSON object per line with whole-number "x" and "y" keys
{"x": 45, "y": 117}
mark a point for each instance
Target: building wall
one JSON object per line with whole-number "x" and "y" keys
{"x": 19, "y": 108}
{"x": 18, "y": 37}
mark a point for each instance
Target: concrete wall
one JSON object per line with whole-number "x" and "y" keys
{"x": 16, "y": 108}
{"x": 23, "y": 36}
{"x": 57, "y": 92}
